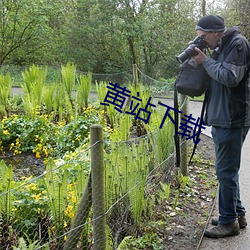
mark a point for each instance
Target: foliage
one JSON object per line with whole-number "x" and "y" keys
{"x": 6, "y": 184}
{"x": 46, "y": 205}
{"x": 48, "y": 98}
{"x": 107, "y": 36}
{"x": 34, "y": 81}
{"x": 68, "y": 74}
{"x": 236, "y": 13}
{"x": 126, "y": 170}
{"x": 5, "y": 89}
{"x": 43, "y": 137}
{"x": 56, "y": 184}
{"x": 147, "y": 241}
{"x": 16, "y": 71}
{"x": 132, "y": 148}
{"x": 30, "y": 204}
{"x": 22, "y": 23}
{"x": 22, "y": 245}
{"x": 163, "y": 135}
{"x": 83, "y": 90}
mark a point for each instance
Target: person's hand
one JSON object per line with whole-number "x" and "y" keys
{"x": 200, "y": 58}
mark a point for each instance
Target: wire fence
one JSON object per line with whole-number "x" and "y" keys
{"x": 40, "y": 212}
{"x": 56, "y": 209}
{"x": 160, "y": 87}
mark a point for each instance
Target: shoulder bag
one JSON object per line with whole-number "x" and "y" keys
{"x": 192, "y": 79}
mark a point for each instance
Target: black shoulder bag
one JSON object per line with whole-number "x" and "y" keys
{"x": 191, "y": 81}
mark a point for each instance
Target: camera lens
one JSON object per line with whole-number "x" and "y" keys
{"x": 187, "y": 53}
{"x": 190, "y": 51}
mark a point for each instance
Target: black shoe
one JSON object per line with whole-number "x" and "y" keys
{"x": 221, "y": 231}
{"x": 241, "y": 219}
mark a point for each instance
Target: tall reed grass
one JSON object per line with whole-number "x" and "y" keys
{"x": 5, "y": 90}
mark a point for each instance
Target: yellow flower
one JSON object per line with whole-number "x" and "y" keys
{"x": 73, "y": 199}
{"x": 69, "y": 211}
{"x": 37, "y": 196}
{"x": 38, "y": 155}
{"x": 45, "y": 151}
{"x": 14, "y": 209}
{"x": 31, "y": 187}
{"x": 6, "y": 132}
{"x": 16, "y": 152}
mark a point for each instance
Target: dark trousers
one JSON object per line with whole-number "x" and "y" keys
{"x": 228, "y": 145}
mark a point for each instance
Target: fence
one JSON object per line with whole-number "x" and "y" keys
{"x": 134, "y": 75}
{"x": 95, "y": 202}
{"x": 51, "y": 213}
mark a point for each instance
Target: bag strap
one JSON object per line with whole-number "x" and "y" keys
{"x": 176, "y": 118}
{"x": 200, "y": 125}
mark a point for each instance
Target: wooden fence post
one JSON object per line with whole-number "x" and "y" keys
{"x": 98, "y": 195}
{"x": 135, "y": 74}
{"x": 184, "y": 150}
{"x": 80, "y": 218}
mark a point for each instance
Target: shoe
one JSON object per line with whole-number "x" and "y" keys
{"x": 241, "y": 219}
{"x": 221, "y": 231}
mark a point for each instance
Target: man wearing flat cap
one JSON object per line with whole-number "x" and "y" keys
{"x": 228, "y": 112}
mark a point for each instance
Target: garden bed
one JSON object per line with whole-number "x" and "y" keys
{"x": 178, "y": 222}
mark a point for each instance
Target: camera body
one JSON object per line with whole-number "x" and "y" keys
{"x": 190, "y": 51}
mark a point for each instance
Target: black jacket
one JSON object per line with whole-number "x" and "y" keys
{"x": 228, "y": 103}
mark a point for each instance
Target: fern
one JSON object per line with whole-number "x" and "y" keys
{"x": 49, "y": 97}
{"x": 33, "y": 85}
{"x": 5, "y": 90}
{"x": 6, "y": 184}
{"x": 68, "y": 74}
{"x": 29, "y": 245}
{"x": 162, "y": 139}
{"x": 56, "y": 185}
{"x": 83, "y": 90}
{"x": 101, "y": 89}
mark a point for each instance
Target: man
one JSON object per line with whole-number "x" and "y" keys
{"x": 228, "y": 112}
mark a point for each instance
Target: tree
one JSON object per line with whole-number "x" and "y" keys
{"x": 95, "y": 41}
{"x": 21, "y": 21}
{"x": 237, "y": 13}
{"x": 102, "y": 36}
{"x": 109, "y": 36}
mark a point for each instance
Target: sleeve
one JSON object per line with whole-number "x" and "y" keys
{"x": 234, "y": 66}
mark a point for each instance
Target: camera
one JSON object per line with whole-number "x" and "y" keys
{"x": 190, "y": 51}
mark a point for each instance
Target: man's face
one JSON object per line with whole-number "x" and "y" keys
{"x": 211, "y": 38}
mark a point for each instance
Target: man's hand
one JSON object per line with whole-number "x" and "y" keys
{"x": 200, "y": 58}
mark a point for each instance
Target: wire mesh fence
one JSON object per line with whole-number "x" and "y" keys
{"x": 45, "y": 211}
{"x": 158, "y": 87}
{"x": 56, "y": 209}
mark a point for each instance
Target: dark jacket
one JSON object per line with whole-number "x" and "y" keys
{"x": 228, "y": 103}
